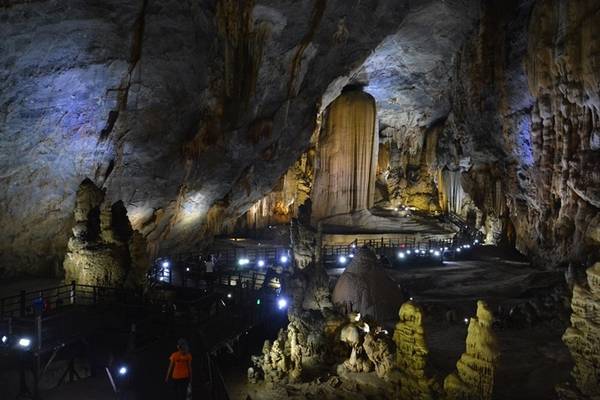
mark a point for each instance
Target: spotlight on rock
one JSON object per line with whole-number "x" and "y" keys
{"x": 282, "y": 303}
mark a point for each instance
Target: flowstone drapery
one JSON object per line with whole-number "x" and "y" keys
{"x": 583, "y": 338}
{"x": 347, "y": 159}
{"x": 411, "y": 354}
{"x": 475, "y": 371}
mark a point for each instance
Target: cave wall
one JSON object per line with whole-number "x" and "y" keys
{"x": 187, "y": 111}
{"x": 524, "y": 112}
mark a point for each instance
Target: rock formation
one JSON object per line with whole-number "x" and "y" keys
{"x": 104, "y": 249}
{"x": 347, "y": 157}
{"x": 380, "y": 351}
{"x": 476, "y": 369}
{"x": 303, "y": 240}
{"x": 208, "y": 116}
{"x": 352, "y": 334}
{"x": 411, "y": 354}
{"x": 529, "y": 75}
{"x": 366, "y": 288}
{"x": 583, "y": 338}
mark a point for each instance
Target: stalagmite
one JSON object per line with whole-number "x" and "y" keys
{"x": 583, "y": 338}
{"x": 475, "y": 371}
{"x": 411, "y": 354}
{"x": 104, "y": 249}
{"x": 346, "y": 166}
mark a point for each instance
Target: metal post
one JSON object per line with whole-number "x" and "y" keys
{"x": 22, "y": 304}
{"x": 37, "y": 354}
{"x": 72, "y": 292}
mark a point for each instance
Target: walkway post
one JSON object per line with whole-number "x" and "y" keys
{"x": 72, "y": 292}
{"x": 22, "y": 304}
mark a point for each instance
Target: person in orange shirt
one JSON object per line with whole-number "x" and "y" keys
{"x": 180, "y": 370}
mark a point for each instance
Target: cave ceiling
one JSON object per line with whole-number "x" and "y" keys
{"x": 144, "y": 99}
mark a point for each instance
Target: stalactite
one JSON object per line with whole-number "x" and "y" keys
{"x": 345, "y": 176}
{"x": 243, "y": 49}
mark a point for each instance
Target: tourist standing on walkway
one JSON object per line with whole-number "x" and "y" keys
{"x": 180, "y": 370}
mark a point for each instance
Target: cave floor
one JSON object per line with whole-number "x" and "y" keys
{"x": 533, "y": 358}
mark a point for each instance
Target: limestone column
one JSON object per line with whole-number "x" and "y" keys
{"x": 347, "y": 157}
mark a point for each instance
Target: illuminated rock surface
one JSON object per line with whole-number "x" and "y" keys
{"x": 104, "y": 250}
{"x": 346, "y": 161}
{"x": 476, "y": 369}
{"x": 583, "y": 338}
{"x": 411, "y": 355}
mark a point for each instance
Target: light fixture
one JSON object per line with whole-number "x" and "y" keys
{"x": 445, "y": 249}
{"x": 431, "y": 250}
{"x": 342, "y": 259}
{"x": 260, "y": 263}
{"x": 166, "y": 264}
{"x": 229, "y": 295}
{"x": 466, "y": 320}
{"x": 258, "y": 302}
{"x": 283, "y": 259}
{"x": 282, "y": 303}
{"x": 353, "y": 245}
{"x": 436, "y": 253}
{"x": 467, "y": 246}
{"x": 24, "y": 342}
{"x": 410, "y": 298}
{"x": 408, "y": 252}
{"x": 4, "y": 339}
{"x": 123, "y": 370}
{"x": 351, "y": 256}
{"x": 476, "y": 241}
{"x": 243, "y": 261}
{"x": 187, "y": 269}
{"x": 422, "y": 251}
{"x": 458, "y": 250}
{"x": 401, "y": 255}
